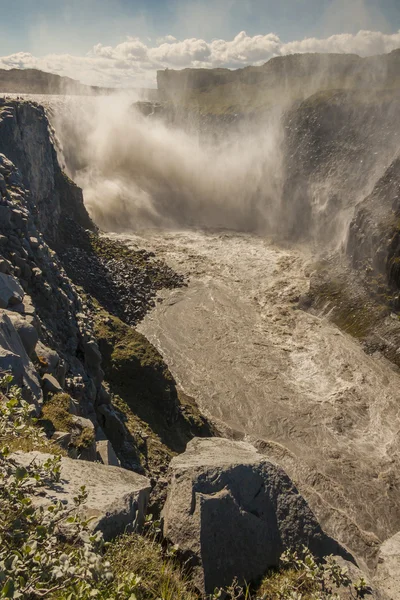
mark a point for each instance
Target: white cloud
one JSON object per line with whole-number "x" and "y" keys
{"x": 134, "y": 62}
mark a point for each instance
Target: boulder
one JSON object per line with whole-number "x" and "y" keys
{"x": 14, "y": 359}
{"x": 117, "y": 498}
{"x": 10, "y": 291}
{"x": 112, "y": 425}
{"x": 25, "y": 307}
{"x": 233, "y": 513}
{"x": 48, "y": 358}
{"x": 26, "y": 330}
{"x": 50, "y": 385}
{"x": 387, "y": 576}
{"x": 106, "y": 453}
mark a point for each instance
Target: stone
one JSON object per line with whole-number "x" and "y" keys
{"x": 387, "y": 575}
{"x": 5, "y": 216}
{"x": 106, "y": 453}
{"x": 18, "y": 219}
{"x": 92, "y": 355}
{"x": 25, "y": 307}
{"x": 50, "y": 385}
{"x": 4, "y": 266}
{"x": 117, "y": 498}
{"x": 14, "y": 359}
{"x": 233, "y": 513}
{"x": 82, "y": 422}
{"x": 48, "y": 357}
{"x": 103, "y": 397}
{"x": 10, "y": 291}
{"x": 111, "y": 424}
{"x": 62, "y": 438}
{"x": 3, "y": 187}
{"x": 26, "y": 331}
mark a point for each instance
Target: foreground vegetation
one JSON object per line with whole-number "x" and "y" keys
{"x": 47, "y": 550}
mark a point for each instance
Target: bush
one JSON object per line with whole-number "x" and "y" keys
{"x": 49, "y": 551}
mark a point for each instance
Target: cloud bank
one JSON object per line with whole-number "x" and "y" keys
{"x": 134, "y": 62}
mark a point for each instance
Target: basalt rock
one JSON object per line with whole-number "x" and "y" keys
{"x": 232, "y": 513}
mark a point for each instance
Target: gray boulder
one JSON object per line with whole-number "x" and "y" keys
{"x": 233, "y": 513}
{"x": 10, "y": 291}
{"x": 25, "y": 327}
{"x": 50, "y": 385}
{"x": 387, "y": 576}
{"x": 14, "y": 359}
{"x": 117, "y": 498}
{"x": 106, "y": 453}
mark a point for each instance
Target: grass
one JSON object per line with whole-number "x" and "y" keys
{"x": 56, "y": 417}
{"x": 281, "y": 584}
{"x": 162, "y": 578}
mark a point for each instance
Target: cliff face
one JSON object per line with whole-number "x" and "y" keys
{"x": 25, "y": 138}
{"x": 278, "y": 82}
{"x": 337, "y": 145}
{"x": 50, "y": 331}
{"x": 34, "y": 81}
{"x": 47, "y": 309}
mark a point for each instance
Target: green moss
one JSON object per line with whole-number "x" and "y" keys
{"x": 55, "y": 414}
{"x": 159, "y": 419}
{"x": 27, "y": 444}
{"x": 56, "y": 417}
{"x": 85, "y": 439}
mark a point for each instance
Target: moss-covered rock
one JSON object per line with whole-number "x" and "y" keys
{"x": 56, "y": 417}
{"x": 160, "y": 419}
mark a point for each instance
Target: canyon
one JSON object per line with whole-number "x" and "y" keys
{"x": 269, "y": 247}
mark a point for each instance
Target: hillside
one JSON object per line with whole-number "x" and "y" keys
{"x": 34, "y": 81}
{"x": 281, "y": 80}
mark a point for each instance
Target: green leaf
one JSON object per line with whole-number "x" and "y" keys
{"x": 8, "y": 589}
{"x": 20, "y": 473}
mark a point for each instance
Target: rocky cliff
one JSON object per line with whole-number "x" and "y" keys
{"x": 281, "y": 80}
{"x": 103, "y": 393}
{"x": 45, "y": 229}
{"x": 34, "y": 81}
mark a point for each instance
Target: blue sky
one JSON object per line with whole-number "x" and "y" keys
{"x": 44, "y": 33}
{"x": 74, "y": 26}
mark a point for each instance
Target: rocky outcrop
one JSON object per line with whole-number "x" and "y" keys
{"x": 233, "y": 513}
{"x": 40, "y": 300}
{"x": 116, "y": 499}
{"x": 280, "y": 80}
{"x": 374, "y": 235}
{"x": 34, "y": 81}
{"x": 387, "y": 576}
{"x": 14, "y": 359}
{"x": 26, "y": 141}
{"x": 337, "y": 145}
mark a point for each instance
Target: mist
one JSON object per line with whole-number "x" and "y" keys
{"x": 141, "y": 172}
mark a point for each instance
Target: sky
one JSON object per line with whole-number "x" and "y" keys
{"x": 124, "y": 42}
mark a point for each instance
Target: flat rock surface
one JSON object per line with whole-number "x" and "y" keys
{"x": 387, "y": 575}
{"x": 117, "y": 498}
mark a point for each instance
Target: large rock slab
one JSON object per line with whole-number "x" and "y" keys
{"x": 387, "y": 576}
{"x": 233, "y": 513}
{"x": 10, "y": 291}
{"x": 117, "y": 498}
{"x": 14, "y": 359}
